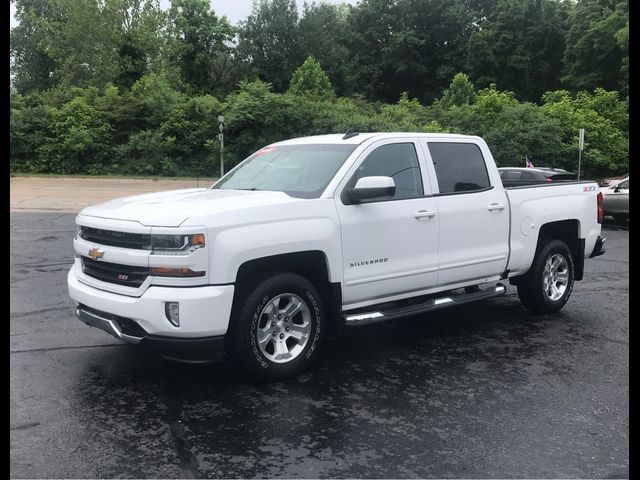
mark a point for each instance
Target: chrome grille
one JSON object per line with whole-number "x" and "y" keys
{"x": 135, "y": 241}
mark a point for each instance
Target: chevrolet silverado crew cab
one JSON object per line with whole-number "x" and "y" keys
{"x": 324, "y": 232}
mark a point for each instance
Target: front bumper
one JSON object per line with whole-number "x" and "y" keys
{"x": 189, "y": 350}
{"x": 204, "y": 311}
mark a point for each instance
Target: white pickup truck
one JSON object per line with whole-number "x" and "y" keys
{"x": 324, "y": 232}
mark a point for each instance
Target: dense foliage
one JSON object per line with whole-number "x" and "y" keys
{"x": 121, "y": 86}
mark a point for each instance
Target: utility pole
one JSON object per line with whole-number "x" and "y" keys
{"x": 580, "y": 148}
{"x": 221, "y": 138}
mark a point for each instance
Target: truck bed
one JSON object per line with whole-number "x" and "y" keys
{"x": 549, "y": 202}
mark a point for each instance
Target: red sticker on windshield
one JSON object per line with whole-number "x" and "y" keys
{"x": 265, "y": 150}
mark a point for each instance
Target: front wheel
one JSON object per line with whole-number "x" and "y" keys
{"x": 279, "y": 326}
{"x": 548, "y": 284}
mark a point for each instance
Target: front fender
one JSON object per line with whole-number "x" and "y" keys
{"x": 240, "y": 244}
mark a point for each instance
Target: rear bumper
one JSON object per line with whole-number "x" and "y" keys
{"x": 598, "y": 249}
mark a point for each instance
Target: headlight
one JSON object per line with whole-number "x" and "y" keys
{"x": 176, "y": 244}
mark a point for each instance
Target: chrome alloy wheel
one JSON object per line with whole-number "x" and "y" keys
{"x": 555, "y": 277}
{"x": 283, "y": 328}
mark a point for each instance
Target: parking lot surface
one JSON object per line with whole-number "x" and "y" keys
{"x": 486, "y": 390}
{"x": 60, "y": 194}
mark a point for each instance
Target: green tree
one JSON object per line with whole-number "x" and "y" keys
{"x": 268, "y": 42}
{"x": 606, "y": 147}
{"x": 54, "y": 45}
{"x": 84, "y": 56}
{"x": 597, "y": 45}
{"x": 460, "y": 92}
{"x": 29, "y": 127}
{"x": 519, "y": 47}
{"x": 408, "y": 45}
{"x": 622, "y": 38}
{"x": 135, "y": 26}
{"x": 32, "y": 63}
{"x": 323, "y": 33}
{"x": 199, "y": 42}
{"x": 156, "y": 97}
{"x": 310, "y": 79}
{"x": 79, "y": 141}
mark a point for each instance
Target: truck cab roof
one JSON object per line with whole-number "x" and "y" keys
{"x": 338, "y": 138}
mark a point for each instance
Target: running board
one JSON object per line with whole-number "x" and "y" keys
{"x": 367, "y": 318}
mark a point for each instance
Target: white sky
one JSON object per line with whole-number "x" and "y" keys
{"x": 235, "y": 10}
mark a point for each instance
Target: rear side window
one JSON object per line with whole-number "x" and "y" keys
{"x": 459, "y": 167}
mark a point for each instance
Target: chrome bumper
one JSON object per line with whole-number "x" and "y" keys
{"x": 109, "y": 326}
{"x": 188, "y": 350}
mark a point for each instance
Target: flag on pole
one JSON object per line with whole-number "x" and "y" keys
{"x": 528, "y": 163}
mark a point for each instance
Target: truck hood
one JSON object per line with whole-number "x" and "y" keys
{"x": 172, "y": 208}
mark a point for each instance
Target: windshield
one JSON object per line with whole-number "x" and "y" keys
{"x": 297, "y": 170}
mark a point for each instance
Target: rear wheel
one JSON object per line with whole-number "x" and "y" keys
{"x": 279, "y": 327}
{"x": 549, "y": 283}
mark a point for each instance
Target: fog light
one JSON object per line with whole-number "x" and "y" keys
{"x": 172, "y": 311}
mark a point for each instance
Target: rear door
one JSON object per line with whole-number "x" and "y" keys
{"x": 472, "y": 210}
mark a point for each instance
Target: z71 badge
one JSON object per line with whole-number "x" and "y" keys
{"x": 589, "y": 189}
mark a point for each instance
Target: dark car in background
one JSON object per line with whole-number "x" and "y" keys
{"x": 517, "y": 177}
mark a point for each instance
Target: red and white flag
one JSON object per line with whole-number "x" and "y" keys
{"x": 528, "y": 162}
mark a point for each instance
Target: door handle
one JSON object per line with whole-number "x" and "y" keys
{"x": 424, "y": 214}
{"x": 495, "y": 206}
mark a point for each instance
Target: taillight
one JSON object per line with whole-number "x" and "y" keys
{"x": 600, "y": 207}
{"x": 549, "y": 180}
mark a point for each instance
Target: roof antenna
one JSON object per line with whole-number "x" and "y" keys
{"x": 350, "y": 133}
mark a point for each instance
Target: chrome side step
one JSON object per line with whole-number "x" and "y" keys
{"x": 375, "y": 316}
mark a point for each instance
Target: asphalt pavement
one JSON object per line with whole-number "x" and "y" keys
{"x": 487, "y": 390}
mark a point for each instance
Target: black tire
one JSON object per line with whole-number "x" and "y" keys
{"x": 247, "y": 318}
{"x": 531, "y": 288}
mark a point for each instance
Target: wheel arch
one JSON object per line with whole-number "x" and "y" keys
{"x": 567, "y": 231}
{"x": 312, "y": 265}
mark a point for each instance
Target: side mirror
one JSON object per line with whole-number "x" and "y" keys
{"x": 370, "y": 188}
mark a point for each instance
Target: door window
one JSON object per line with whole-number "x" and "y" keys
{"x": 398, "y": 161}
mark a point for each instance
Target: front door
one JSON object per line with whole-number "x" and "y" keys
{"x": 389, "y": 246}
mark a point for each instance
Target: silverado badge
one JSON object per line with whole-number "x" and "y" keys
{"x": 95, "y": 253}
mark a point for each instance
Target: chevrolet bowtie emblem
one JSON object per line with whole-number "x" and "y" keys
{"x": 96, "y": 253}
